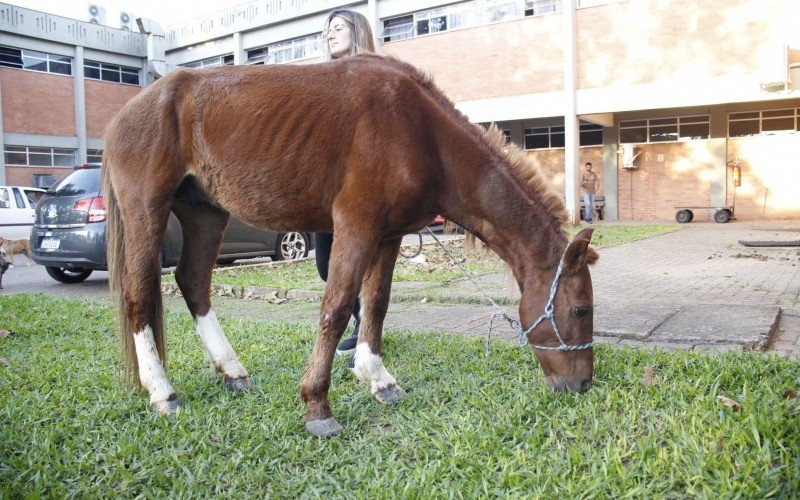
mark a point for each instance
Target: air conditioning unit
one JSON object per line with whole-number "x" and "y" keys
{"x": 127, "y": 21}
{"x": 772, "y": 63}
{"x": 629, "y": 155}
{"x": 97, "y": 14}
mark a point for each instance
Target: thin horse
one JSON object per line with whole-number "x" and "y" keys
{"x": 365, "y": 147}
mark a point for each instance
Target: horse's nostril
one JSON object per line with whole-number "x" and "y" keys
{"x": 585, "y": 385}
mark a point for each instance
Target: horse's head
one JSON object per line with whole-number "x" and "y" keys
{"x": 562, "y": 339}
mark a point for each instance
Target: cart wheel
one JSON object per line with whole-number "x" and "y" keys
{"x": 684, "y": 216}
{"x": 722, "y": 216}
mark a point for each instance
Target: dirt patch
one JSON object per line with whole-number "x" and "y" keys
{"x": 756, "y": 256}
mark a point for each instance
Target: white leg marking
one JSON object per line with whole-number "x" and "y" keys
{"x": 220, "y": 352}
{"x": 368, "y": 367}
{"x": 151, "y": 370}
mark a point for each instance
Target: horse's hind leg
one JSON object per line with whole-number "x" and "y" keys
{"x": 203, "y": 226}
{"x": 141, "y": 304}
{"x": 368, "y": 364}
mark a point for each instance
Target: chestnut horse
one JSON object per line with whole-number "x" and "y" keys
{"x": 364, "y": 147}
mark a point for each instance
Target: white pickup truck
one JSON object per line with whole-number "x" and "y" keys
{"x": 17, "y": 211}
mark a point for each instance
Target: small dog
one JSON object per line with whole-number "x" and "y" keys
{"x": 13, "y": 247}
{"x": 4, "y": 265}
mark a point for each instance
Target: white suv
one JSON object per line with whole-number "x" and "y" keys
{"x": 17, "y": 211}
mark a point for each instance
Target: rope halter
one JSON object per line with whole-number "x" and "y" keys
{"x": 549, "y": 310}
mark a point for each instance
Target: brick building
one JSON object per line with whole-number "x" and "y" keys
{"x": 671, "y": 100}
{"x": 61, "y": 82}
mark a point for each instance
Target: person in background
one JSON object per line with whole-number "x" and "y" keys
{"x": 347, "y": 33}
{"x": 589, "y": 186}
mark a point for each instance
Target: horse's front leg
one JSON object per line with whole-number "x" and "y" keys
{"x": 349, "y": 257}
{"x": 368, "y": 364}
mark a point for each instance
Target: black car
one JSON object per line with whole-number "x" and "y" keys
{"x": 69, "y": 232}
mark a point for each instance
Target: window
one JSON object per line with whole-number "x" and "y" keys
{"x": 432, "y": 21}
{"x": 544, "y": 137}
{"x": 750, "y": 123}
{"x": 211, "y": 62}
{"x": 681, "y": 128}
{"x": 536, "y": 7}
{"x": 398, "y": 28}
{"x": 463, "y": 15}
{"x": 94, "y": 155}
{"x": 257, "y": 56}
{"x": 33, "y": 60}
{"x": 294, "y": 49}
{"x": 29, "y": 156}
{"x": 42, "y": 181}
{"x": 110, "y": 73}
{"x": 591, "y": 134}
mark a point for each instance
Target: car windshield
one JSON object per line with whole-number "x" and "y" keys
{"x": 78, "y": 182}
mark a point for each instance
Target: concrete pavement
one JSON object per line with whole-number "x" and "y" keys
{"x": 697, "y": 288}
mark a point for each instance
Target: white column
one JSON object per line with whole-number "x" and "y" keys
{"x": 80, "y": 104}
{"x": 571, "y": 137}
{"x": 2, "y": 144}
{"x": 238, "y": 52}
{"x": 377, "y": 26}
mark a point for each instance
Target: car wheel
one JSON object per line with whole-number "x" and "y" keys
{"x": 291, "y": 246}
{"x": 65, "y": 275}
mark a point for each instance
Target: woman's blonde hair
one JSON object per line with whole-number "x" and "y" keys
{"x": 360, "y": 31}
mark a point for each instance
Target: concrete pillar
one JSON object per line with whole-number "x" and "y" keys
{"x": 239, "y": 56}
{"x": 571, "y": 133}
{"x": 610, "y": 174}
{"x": 717, "y": 149}
{"x": 374, "y": 20}
{"x": 80, "y": 104}
{"x": 2, "y": 143}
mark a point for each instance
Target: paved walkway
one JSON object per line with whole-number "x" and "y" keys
{"x": 697, "y": 288}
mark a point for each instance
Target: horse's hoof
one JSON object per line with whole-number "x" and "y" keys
{"x": 169, "y": 406}
{"x": 390, "y": 395}
{"x": 327, "y": 427}
{"x": 237, "y": 384}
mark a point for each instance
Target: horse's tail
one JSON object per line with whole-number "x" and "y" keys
{"x": 115, "y": 255}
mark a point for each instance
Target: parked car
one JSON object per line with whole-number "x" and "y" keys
{"x": 68, "y": 236}
{"x": 17, "y": 211}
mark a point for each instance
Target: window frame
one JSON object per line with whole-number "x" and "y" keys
{"x": 757, "y": 117}
{"x": 107, "y": 68}
{"x": 559, "y": 133}
{"x": 296, "y": 48}
{"x": 463, "y": 15}
{"x": 211, "y": 62}
{"x": 65, "y": 155}
{"x": 23, "y": 58}
{"x": 646, "y": 126}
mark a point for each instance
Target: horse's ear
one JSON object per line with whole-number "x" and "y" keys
{"x": 579, "y": 253}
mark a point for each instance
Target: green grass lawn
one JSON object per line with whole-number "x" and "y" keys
{"x": 439, "y": 267}
{"x": 471, "y": 425}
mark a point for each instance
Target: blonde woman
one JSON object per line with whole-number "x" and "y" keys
{"x": 346, "y": 33}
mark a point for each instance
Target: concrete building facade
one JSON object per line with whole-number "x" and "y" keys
{"x": 675, "y": 102}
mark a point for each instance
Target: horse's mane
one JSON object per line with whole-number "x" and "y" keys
{"x": 493, "y": 141}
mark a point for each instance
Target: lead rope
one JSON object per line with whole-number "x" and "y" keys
{"x": 549, "y": 309}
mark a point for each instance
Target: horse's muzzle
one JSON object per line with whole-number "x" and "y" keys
{"x": 559, "y": 384}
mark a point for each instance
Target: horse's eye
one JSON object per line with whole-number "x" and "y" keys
{"x": 581, "y": 311}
